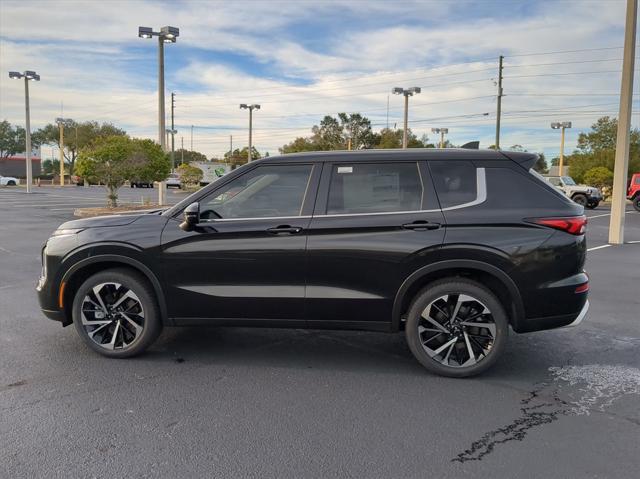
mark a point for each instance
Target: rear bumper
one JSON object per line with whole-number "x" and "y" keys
{"x": 581, "y": 316}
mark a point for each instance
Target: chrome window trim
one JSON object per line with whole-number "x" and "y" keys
{"x": 481, "y": 197}
{"x": 481, "y": 192}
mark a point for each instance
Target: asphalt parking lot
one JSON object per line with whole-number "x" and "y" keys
{"x": 240, "y": 402}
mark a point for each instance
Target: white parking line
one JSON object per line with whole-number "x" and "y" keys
{"x": 633, "y": 242}
{"x": 599, "y": 247}
{"x": 608, "y": 214}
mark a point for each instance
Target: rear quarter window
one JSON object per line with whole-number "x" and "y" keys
{"x": 455, "y": 182}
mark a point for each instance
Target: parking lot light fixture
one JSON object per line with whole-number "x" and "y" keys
{"x": 28, "y": 75}
{"x": 255, "y": 106}
{"x": 561, "y": 126}
{"x": 165, "y": 35}
{"x": 407, "y": 92}
{"x": 441, "y": 132}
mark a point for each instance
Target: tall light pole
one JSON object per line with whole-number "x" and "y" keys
{"x": 442, "y": 132}
{"x": 618, "y": 201}
{"x": 561, "y": 126}
{"x": 172, "y": 133}
{"x": 60, "y": 122}
{"x": 407, "y": 92}
{"x": 244, "y": 106}
{"x": 165, "y": 35}
{"x": 28, "y": 76}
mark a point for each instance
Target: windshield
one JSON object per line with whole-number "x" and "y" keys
{"x": 568, "y": 181}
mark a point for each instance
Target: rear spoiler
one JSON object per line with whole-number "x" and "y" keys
{"x": 526, "y": 160}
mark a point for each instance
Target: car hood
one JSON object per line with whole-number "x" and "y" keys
{"x": 109, "y": 220}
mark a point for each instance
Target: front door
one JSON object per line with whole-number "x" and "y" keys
{"x": 374, "y": 224}
{"x": 246, "y": 257}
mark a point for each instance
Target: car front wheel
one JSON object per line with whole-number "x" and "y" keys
{"x": 115, "y": 313}
{"x": 580, "y": 199}
{"x": 456, "y": 328}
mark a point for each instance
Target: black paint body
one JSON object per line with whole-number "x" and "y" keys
{"x": 352, "y": 271}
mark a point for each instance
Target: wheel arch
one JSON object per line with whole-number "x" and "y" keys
{"x": 81, "y": 270}
{"x": 490, "y": 276}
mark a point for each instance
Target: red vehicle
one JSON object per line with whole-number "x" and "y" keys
{"x": 633, "y": 193}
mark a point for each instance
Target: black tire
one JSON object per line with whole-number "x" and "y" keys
{"x": 11, "y": 183}
{"x": 580, "y": 199}
{"x": 636, "y": 203}
{"x": 593, "y": 205}
{"x": 144, "y": 295}
{"x": 480, "y": 296}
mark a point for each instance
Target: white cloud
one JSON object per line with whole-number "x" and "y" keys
{"x": 91, "y": 60}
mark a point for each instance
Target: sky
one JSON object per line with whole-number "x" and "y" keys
{"x": 301, "y": 60}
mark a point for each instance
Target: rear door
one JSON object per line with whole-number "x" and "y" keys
{"x": 373, "y": 223}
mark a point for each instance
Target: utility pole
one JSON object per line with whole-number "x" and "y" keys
{"x": 387, "y": 112}
{"x": 618, "y": 202}
{"x": 173, "y": 131}
{"x": 182, "y": 150}
{"x": 191, "y": 137}
{"x": 407, "y": 92}
{"x": 61, "y": 128}
{"x": 442, "y": 132}
{"x": 499, "y": 106}
{"x": 165, "y": 35}
{"x": 230, "y": 147}
{"x": 561, "y": 126}
{"x": 28, "y": 75}
{"x": 244, "y": 106}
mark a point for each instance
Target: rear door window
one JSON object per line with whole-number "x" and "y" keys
{"x": 374, "y": 188}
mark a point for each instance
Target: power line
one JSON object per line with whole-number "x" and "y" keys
{"x": 564, "y": 51}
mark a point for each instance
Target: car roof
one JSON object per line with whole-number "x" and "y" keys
{"x": 398, "y": 154}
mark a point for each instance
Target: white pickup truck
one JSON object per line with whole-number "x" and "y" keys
{"x": 587, "y": 196}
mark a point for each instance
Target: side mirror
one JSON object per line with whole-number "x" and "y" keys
{"x": 191, "y": 216}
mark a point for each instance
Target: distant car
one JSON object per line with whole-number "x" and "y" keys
{"x": 79, "y": 181}
{"x": 173, "y": 181}
{"x": 141, "y": 184}
{"x": 587, "y": 196}
{"x": 633, "y": 193}
{"x": 9, "y": 181}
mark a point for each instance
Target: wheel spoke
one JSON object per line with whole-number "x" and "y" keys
{"x": 112, "y": 344}
{"x": 96, "y": 292}
{"x": 98, "y": 329}
{"x": 490, "y": 326}
{"x": 434, "y": 322}
{"x": 128, "y": 295}
{"x": 472, "y": 355}
{"x": 434, "y": 353}
{"x": 137, "y": 327}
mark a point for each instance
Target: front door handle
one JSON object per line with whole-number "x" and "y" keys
{"x": 421, "y": 225}
{"x": 285, "y": 229}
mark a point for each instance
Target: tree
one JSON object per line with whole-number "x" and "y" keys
{"x": 597, "y": 148}
{"x": 76, "y": 136}
{"x": 541, "y": 164}
{"x": 298, "y": 145}
{"x": 599, "y": 177}
{"x": 187, "y": 156}
{"x": 328, "y": 135}
{"x": 112, "y": 160}
{"x": 12, "y": 139}
{"x": 388, "y": 138}
{"x": 240, "y": 157}
{"x": 189, "y": 175}
{"x": 358, "y": 128}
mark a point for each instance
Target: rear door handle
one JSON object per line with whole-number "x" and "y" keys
{"x": 421, "y": 225}
{"x": 284, "y": 229}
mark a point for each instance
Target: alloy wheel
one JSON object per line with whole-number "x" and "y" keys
{"x": 112, "y": 316}
{"x": 457, "y": 330}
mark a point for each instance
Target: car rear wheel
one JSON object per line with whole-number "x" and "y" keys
{"x": 115, "y": 313}
{"x": 11, "y": 183}
{"x": 580, "y": 199}
{"x": 593, "y": 205}
{"x": 636, "y": 203}
{"x": 456, "y": 328}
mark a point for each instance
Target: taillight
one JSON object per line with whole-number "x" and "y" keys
{"x": 575, "y": 225}
{"x": 583, "y": 288}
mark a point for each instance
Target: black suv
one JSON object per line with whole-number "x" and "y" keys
{"x": 452, "y": 247}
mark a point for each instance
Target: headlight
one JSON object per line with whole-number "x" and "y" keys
{"x": 67, "y": 231}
